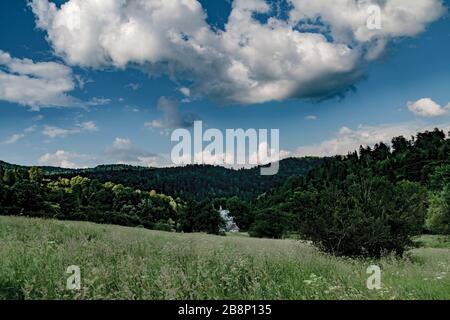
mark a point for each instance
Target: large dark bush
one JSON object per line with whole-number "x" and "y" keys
{"x": 269, "y": 223}
{"x": 200, "y": 216}
{"x": 362, "y": 216}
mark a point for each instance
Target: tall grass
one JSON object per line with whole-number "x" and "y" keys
{"x": 127, "y": 263}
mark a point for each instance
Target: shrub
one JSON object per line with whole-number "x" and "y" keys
{"x": 438, "y": 219}
{"x": 200, "y": 217}
{"x": 362, "y": 216}
{"x": 269, "y": 224}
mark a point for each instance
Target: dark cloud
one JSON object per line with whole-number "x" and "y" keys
{"x": 172, "y": 118}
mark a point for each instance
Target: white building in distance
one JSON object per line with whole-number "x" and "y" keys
{"x": 230, "y": 225}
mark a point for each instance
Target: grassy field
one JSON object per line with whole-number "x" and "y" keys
{"x": 126, "y": 263}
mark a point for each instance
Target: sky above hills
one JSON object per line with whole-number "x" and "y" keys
{"x": 86, "y": 82}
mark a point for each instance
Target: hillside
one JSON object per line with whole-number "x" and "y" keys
{"x": 127, "y": 263}
{"x": 191, "y": 182}
{"x": 48, "y": 170}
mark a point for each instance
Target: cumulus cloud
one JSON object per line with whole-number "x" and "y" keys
{"x": 40, "y": 84}
{"x": 185, "y": 91}
{"x": 187, "y": 94}
{"x": 348, "y": 19}
{"x": 57, "y": 132}
{"x": 348, "y": 140}
{"x": 62, "y": 159}
{"x": 250, "y": 61}
{"x": 123, "y": 151}
{"x": 426, "y": 107}
{"x": 89, "y": 126}
{"x": 173, "y": 118}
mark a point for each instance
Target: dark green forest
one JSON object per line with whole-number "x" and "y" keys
{"x": 370, "y": 202}
{"x": 194, "y": 182}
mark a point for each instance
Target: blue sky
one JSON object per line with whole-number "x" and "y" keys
{"x": 116, "y": 114}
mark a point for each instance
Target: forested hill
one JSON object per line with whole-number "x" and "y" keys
{"x": 47, "y": 170}
{"x": 191, "y": 182}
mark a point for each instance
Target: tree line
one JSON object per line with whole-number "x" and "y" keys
{"x": 30, "y": 193}
{"x": 194, "y": 182}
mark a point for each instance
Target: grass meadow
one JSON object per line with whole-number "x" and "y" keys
{"x": 133, "y": 263}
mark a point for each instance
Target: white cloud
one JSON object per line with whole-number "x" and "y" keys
{"x": 311, "y": 117}
{"x": 122, "y": 144}
{"x": 56, "y": 132}
{"x": 248, "y": 62}
{"x": 89, "y": 126}
{"x": 426, "y": 107}
{"x": 62, "y": 159}
{"x": 96, "y": 102}
{"x": 19, "y": 136}
{"x": 262, "y": 156}
{"x": 348, "y": 19}
{"x": 185, "y": 91}
{"x": 152, "y": 161}
{"x": 187, "y": 94}
{"x": 348, "y": 140}
{"x": 40, "y": 84}
{"x": 123, "y": 151}
{"x": 14, "y": 138}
